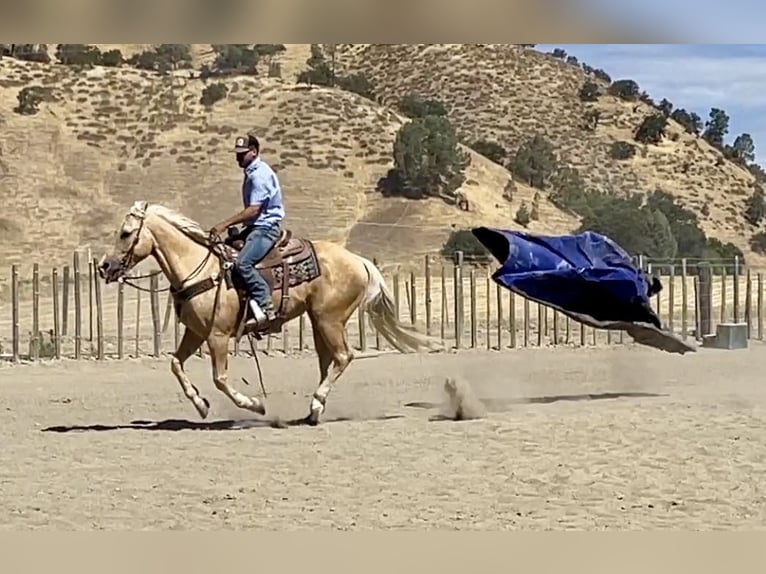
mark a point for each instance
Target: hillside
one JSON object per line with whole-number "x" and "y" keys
{"x": 109, "y": 136}
{"x": 507, "y": 94}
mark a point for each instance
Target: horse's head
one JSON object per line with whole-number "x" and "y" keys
{"x": 133, "y": 244}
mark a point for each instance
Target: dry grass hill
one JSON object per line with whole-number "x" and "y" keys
{"x": 508, "y": 93}
{"x": 110, "y": 136}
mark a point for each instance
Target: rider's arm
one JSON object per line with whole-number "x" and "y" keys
{"x": 259, "y": 189}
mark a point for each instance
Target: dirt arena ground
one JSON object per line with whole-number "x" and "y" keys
{"x": 617, "y": 438}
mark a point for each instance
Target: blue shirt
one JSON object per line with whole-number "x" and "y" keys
{"x": 261, "y": 186}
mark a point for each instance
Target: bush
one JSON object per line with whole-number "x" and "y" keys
{"x": 428, "y": 160}
{"x": 213, "y": 93}
{"x": 357, "y": 84}
{"x": 758, "y": 242}
{"x": 624, "y": 89}
{"x": 652, "y": 129}
{"x": 491, "y": 150}
{"x": 239, "y": 57}
{"x": 268, "y": 49}
{"x": 589, "y": 92}
{"x": 622, "y": 150}
{"x": 535, "y": 162}
{"x": 29, "y": 99}
{"x": 755, "y": 207}
{"x": 81, "y": 55}
{"x": 112, "y": 58}
{"x": 31, "y": 52}
{"x": 414, "y": 106}
{"x": 523, "y": 216}
{"x": 465, "y": 241}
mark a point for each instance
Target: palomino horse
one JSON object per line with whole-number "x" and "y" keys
{"x": 320, "y": 278}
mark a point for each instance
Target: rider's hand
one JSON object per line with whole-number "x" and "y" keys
{"x": 217, "y": 230}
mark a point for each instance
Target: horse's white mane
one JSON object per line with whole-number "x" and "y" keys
{"x": 178, "y": 220}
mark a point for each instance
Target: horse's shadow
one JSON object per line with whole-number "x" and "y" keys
{"x": 185, "y": 424}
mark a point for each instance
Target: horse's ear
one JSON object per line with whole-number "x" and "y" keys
{"x": 139, "y": 208}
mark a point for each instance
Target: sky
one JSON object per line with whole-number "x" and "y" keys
{"x": 692, "y": 76}
{"x": 709, "y": 21}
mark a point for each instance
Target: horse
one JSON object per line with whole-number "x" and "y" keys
{"x": 320, "y": 278}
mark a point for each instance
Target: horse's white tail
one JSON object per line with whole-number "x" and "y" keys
{"x": 381, "y": 311}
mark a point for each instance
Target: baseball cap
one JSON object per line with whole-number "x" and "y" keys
{"x": 244, "y": 143}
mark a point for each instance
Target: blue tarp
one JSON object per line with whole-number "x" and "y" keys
{"x": 586, "y": 276}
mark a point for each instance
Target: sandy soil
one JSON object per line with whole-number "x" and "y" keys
{"x": 548, "y": 454}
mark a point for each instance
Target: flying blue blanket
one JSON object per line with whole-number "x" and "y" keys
{"x": 587, "y": 277}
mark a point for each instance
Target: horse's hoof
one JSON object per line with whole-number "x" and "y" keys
{"x": 203, "y": 409}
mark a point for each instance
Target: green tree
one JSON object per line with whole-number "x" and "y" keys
{"x": 535, "y": 162}
{"x": 523, "y": 217}
{"x": 175, "y": 55}
{"x": 268, "y": 50}
{"x": 758, "y": 242}
{"x": 589, "y": 92}
{"x": 415, "y": 106}
{"x": 357, "y": 84}
{"x": 755, "y": 207}
{"x": 568, "y": 190}
{"x": 624, "y": 89}
{"x": 30, "y": 98}
{"x": 491, "y": 150}
{"x": 319, "y": 72}
{"x": 465, "y": 241}
{"x": 691, "y": 122}
{"x": 652, "y": 129}
{"x": 82, "y": 55}
{"x": 716, "y": 127}
{"x": 665, "y": 107}
{"x": 743, "y": 149}
{"x": 427, "y": 158}
{"x": 239, "y": 57}
{"x": 621, "y": 150}
{"x": 213, "y": 93}
{"x": 112, "y": 58}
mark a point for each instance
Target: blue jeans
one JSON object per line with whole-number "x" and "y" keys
{"x": 257, "y": 244}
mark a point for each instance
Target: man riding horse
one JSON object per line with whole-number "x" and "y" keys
{"x": 262, "y": 215}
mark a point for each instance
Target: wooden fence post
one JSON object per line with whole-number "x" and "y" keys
{"x": 748, "y": 302}
{"x": 759, "y": 303}
{"x": 90, "y": 303}
{"x": 499, "y": 300}
{"x": 472, "y": 305}
{"x": 77, "y": 305}
{"x": 99, "y": 312}
{"x": 512, "y": 317}
{"x": 444, "y": 316}
{"x": 427, "y": 271}
{"x": 138, "y": 323}
{"x": 684, "y": 301}
{"x": 65, "y": 302}
{"x": 413, "y": 299}
{"x": 705, "y": 299}
{"x": 155, "y": 306}
{"x": 120, "y": 320}
{"x": 15, "y": 312}
{"x": 35, "y": 339}
{"x": 458, "y": 291}
{"x": 735, "y": 276}
{"x": 488, "y": 313}
{"x": 56, "y": 324}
